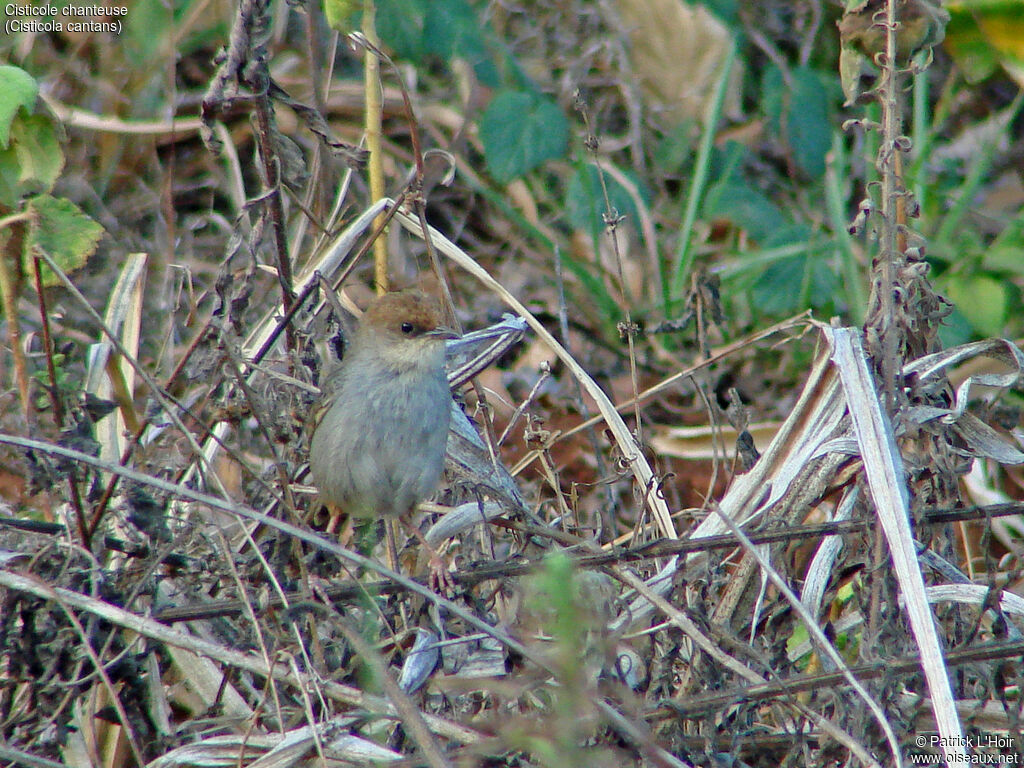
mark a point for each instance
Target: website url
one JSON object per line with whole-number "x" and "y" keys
{"x": 921, "y": 758}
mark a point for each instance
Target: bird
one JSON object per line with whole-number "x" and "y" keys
{"x": 380, "y": 430}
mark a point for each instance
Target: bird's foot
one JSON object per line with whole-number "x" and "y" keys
{"x": 440, "y": 577}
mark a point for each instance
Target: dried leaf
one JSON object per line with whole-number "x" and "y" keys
{"x": 677, "y": 53}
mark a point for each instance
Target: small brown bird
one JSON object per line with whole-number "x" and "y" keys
{"x": 378, "y": 445}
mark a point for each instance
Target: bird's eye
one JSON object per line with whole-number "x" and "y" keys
{"x": 407, "y": 328}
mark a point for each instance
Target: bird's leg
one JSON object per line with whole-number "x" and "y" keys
{"x": 440, "y": 577}
{"x": 333, "y": 517}
{"x": 391, "y": 537}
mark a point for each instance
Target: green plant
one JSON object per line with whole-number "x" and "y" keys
{"x": 33, "y": 221}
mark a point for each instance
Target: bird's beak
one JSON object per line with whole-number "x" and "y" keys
{"x": 443, "y": 332}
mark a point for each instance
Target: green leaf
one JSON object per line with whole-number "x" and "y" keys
{"x": 38, "y": 153}
{"x": 339, "y": 14}
{"x": 800, "y": 112}
{"x": 851, "y": 64}
{"x": 450, "y": 28}
{"x": 984, "y": 34}
{"x": 795, "y": 282}
{"x": 955, "y": 329}
{"x": 520, "y": 130}
{"x": 400, "y": 24}
{"x": 970, "y": 47}
{"x": 675, "y": 149}
{"x": 1004, "y": 257}
{"x": 809, "y": 124}
{"x": 799, "y": 637}
{"x": 745, "y": 207}
{"x": 983, "y": 300}
{"x": 426, "y": 31}
{"x": 17, "y": 90}
{"x": 584, "y": 200}
{"x": 60, "y": 229}
{"x": 726, "y": 10}
{"x": 9, "y": 195}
